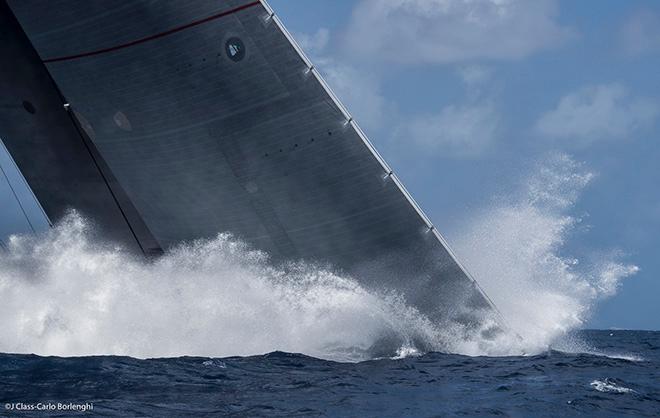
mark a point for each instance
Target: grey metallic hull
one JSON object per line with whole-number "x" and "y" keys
{"x": 193, "y": 118}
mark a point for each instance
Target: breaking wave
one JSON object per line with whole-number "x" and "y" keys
{"x": 64, "y": 293}
{"x": 515, "y": 249}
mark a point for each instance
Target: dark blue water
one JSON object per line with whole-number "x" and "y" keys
{"x": 281, "y": 384}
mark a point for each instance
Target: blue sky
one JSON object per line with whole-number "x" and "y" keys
{"x": 528, "y": 132}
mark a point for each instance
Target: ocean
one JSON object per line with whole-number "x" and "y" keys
{"x": 619, "y": 376}
{"x": 186, "y": 334}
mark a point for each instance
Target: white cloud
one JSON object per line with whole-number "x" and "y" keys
{"x": 456, "y": 131}
{"x": 314, "y": 44}
{"x": 446, "y": 31}
{"x": 598, "y": 113}
{"x": 463, "y": 131}
{"x": 641, "y": 33}
{"x": 473, "y": 75}
{"x": 359, "y": 90}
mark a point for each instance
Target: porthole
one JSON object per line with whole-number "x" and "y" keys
{"x": 29, "y": 107}
{"x": 122, "y": 121}
{"x": 235, "y": 49}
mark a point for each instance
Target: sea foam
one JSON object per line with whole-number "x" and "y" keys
{"x": 66, "y": 292}
{"x": 609, "y": 386}
{"x": 516, "y": 249}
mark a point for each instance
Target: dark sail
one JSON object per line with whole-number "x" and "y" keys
{"x": 206, "y": 117}
{"x": 44, "y": 141}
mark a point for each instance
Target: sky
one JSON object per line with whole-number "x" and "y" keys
{"x": 527, "y": 131}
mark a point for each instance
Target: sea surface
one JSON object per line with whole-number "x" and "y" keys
{"x": 620, "y": 376}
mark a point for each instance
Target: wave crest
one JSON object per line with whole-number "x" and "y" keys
{"x": 516, "y": 249}
{"x": 65, "y": 292}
